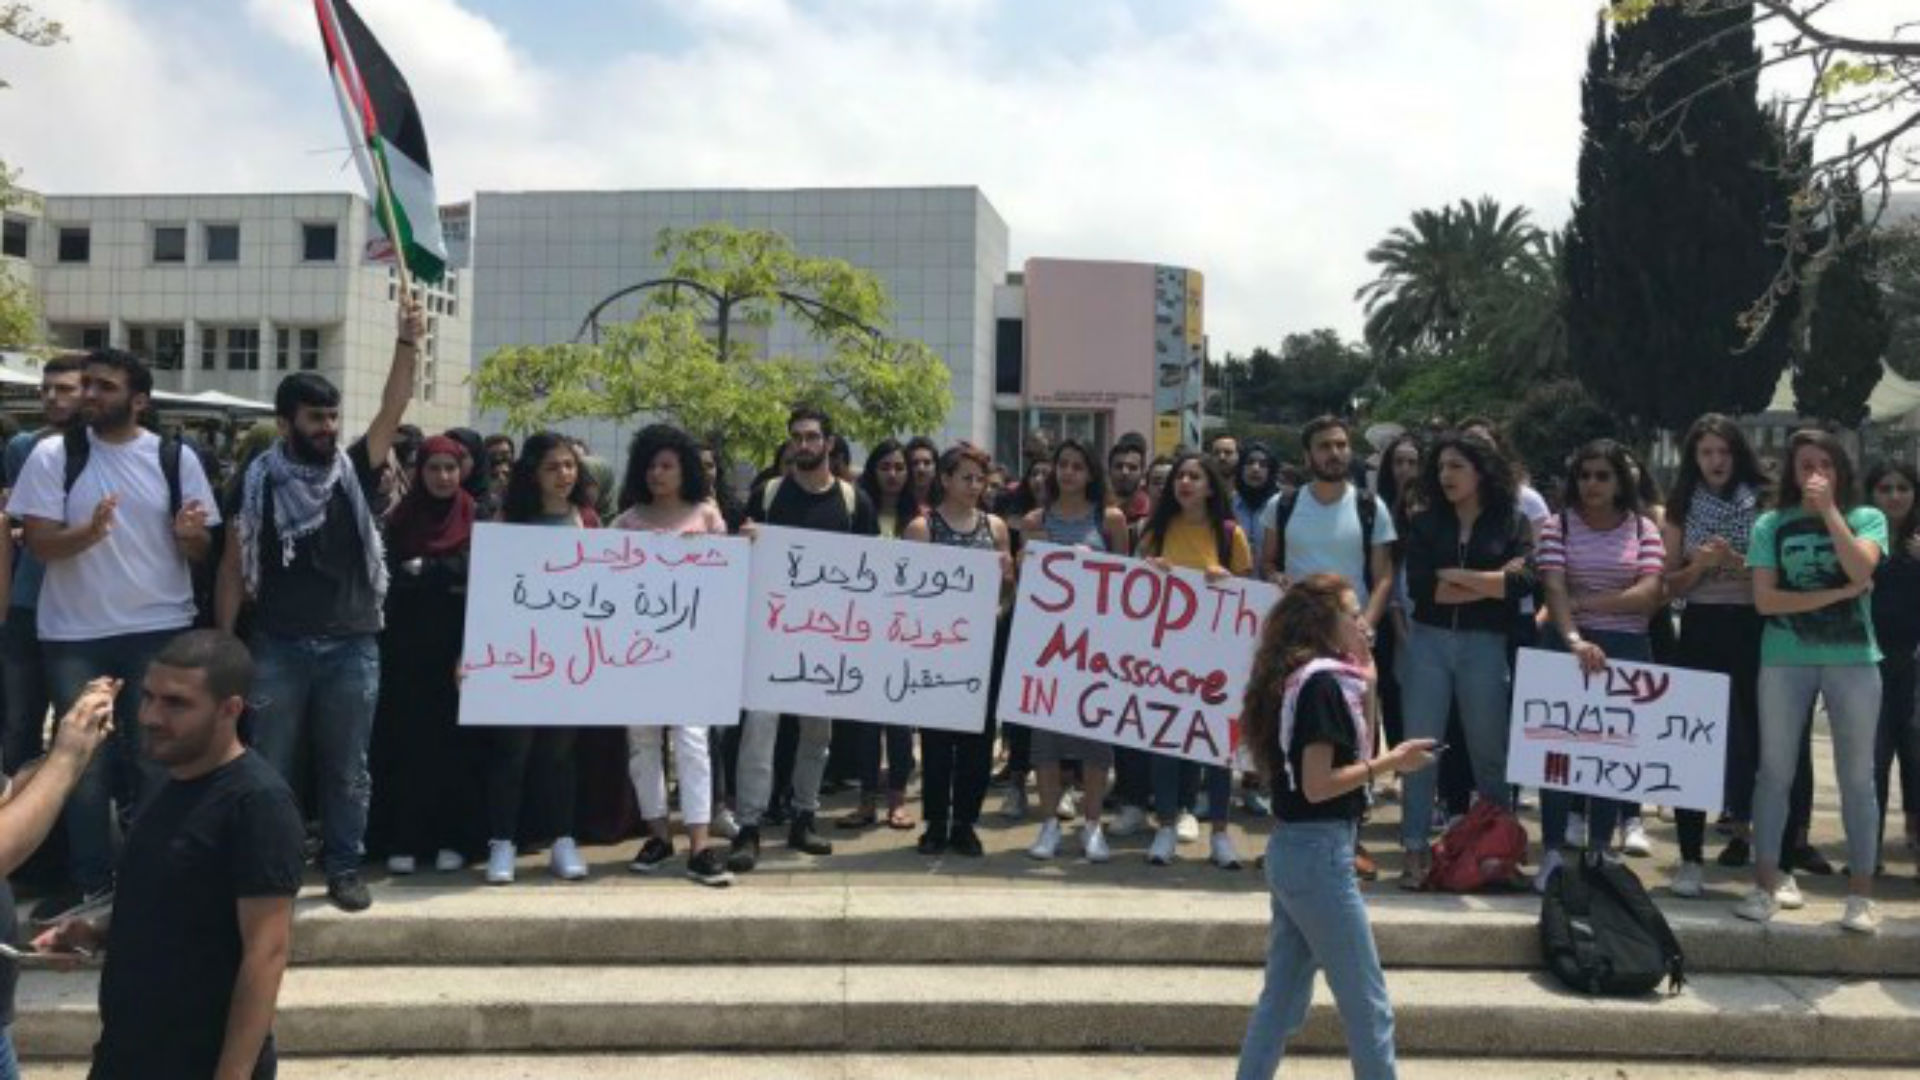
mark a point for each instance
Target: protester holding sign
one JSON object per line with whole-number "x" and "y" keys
{"x": 1469, "y": 561}
{"x": 1192, "y": 526}
{"x": 1076, "y": 511}
{"x": 1710, "y": 517}
{"x": 956, "y": 766}
{"x": 888, "y": 482}
{"x": 1306, "y": 720}
{"x": 544, "y": 489}
{"x": 1813, "y": 561}
{"x": 666, "y": 491}
{"x": 1602, "y": 562}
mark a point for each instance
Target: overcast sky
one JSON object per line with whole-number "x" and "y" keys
{"x": 1266, "y": 143}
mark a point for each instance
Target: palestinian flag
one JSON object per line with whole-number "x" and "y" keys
{"x": 388, "y": 138}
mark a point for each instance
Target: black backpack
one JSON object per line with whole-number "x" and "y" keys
{"x": 1601, "y": 933}
{"x": 80, "y": 448}
{"x": 1365, "y": 508}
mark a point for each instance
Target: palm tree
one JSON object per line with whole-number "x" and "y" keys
{"x": 1423, "y": 297}
{"x": 1518, "y": 316}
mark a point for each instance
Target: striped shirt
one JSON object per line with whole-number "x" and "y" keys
{"x": 1604, "y": 563}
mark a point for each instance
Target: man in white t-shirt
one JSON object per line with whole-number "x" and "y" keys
{"x": 116, "y": 529}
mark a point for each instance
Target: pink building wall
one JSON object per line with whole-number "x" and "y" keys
{"x": 1090, "y": 339}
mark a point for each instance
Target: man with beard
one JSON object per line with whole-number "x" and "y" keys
{"x": 1254, "y": 486}
{"x": 809, "y": 496}
{"x": 1127, "y": 472}
{"x": 199, "y": 935}
{"x": 307, "y": 553}
{"x": 117, "y": 587}
{"x": 22, "y": 668}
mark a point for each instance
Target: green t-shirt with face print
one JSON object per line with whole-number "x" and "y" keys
{"x": 1796, "y": 546}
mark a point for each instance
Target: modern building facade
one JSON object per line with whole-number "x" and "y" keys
{"x": 543, "y": 259}
{"x": 232, "y": 292}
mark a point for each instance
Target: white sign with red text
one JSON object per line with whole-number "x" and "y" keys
{"x": 859, "y": 628}
{"x": 1115, "y": 650}
{"x": 603, "y": 628}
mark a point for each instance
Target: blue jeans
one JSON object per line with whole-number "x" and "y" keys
{"x": 1603, "y": 815}
{"x": 119, "y": 773}
{"x": 323, "y": 690}
{"x": 23, "y": 671}
{"x": 9, "y": 1061}
{"x": 1167, "y": 772}
{"x": 1319, "y": 922}
{"x": 1443, "y": 667}
{"x": 1852, "y": 693}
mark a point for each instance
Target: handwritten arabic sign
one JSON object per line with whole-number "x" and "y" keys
{"x": 1636, "y": 732}
{"x": 599, "y": 628}
{"x": 868, "y": 629}
{"x": 1114, "y": 650}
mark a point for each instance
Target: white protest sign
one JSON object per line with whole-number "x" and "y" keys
{"x": 603, "y": 628}
{"x": 859, "y": 628}
{"x": 1114, "y": 650}
{"x": 1635, "y": 732}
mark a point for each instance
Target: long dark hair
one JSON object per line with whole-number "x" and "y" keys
{"x": 1746, "y": 464}
{"x": 1396, "y": 495}
{"x": 647, "y": 444}
{"x": 1153, "y": 538}
{"x": 1897, "y": 530}
{"x": 1498, "y": 488}
{"x": 1846, "y": 493}
{"x": 1304, "y": 626}
{"x": 905, "y": 507}
{"x": 1626, "y": 494}
{"x": 521, "y": 503}
{"x": 1097, "y": 493}
{"x": 914, "y": 445}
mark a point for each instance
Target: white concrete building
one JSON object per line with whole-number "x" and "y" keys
{"x": 232, "y": 292}
{"x": 543, "y": 259}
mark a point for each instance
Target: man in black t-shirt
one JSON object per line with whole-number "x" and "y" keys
{"x": 808, "y": 497}
{"x": 306, "y": 551}
{"x": 202, "y": 922}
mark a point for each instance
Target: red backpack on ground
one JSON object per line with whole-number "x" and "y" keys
{"x": 1482, "y": 850}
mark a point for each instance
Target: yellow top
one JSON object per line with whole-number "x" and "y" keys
{"x": 1193, "y": 547}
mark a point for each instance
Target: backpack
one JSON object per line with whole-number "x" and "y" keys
{"x": 80, "y": 448}
{"x": 1601, "y": 934}
{"x": 848, "y": 497}
{"x": 1364, "y": 505}
{"x": 1482, "y": 850}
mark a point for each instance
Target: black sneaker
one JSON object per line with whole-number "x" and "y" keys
{"x": 801, "y": 836}
{"x": 708, "y": 866}
{"x": 69, "y": 902}
{"x": 779, "y": 813}
{"x": 1737, "y": 853}
{"x": 745, "y": 852}
{"x": 651, "y": 854}
{"x": 933, "y": 842}
{"x": 348, "y": 892}
{"x": 1807, "y": 857}
{"x": 964, "y": 841}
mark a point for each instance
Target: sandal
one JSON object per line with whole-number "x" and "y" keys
{"x": 864, "y": 818}
{"x": 900, "y": 817}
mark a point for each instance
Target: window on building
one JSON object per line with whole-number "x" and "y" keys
{"x": 319, "y": 243}
{"x": 209, "y": 348}
{"x": 1006, "y": 439}
{"x": 243, "y": 348}
{"x": 1009, "y": 355}
{"x": 76, "y": 244}
{"x": 169, "y": 348}
{"x": 282, "y": 338}
{"x": 137, "y": 343}
{"x": 14, "y": 240}
{"x": 170, "y": 243}
{"x": 223, "y": 243}
{"x": 309, "y": 350}
{"x": 93, "y": 337}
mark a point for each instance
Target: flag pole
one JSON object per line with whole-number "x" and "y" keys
{"x": 392, "y": 223}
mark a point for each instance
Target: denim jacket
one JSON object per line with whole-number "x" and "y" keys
{"x": 1433, "y": 543}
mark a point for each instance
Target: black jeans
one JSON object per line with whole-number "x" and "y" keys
{"x": 956, "y": 768}
{"x": 26, "y": 694}
{"x": 533, "y": 766}
{"x": 1132, "y": 776}
{"x": 867, "y": 740}
{"x": 1899, "y": 734}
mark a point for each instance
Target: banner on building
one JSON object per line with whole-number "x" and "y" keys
{"x": 861, "y": 628}
{"x": 603, "y": 628}
{"x": 1112, "y": 649}
{"x": 1635, "y": 732}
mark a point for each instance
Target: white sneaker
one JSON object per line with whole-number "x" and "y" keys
{"x": 1069, "y": 807}
{"x": 1223, "y": 855}
{"x": 447, "y": 860}
{"x": 1161, "y": 853}
{"x": 1689, "y": 881}
{"x": 724, "y": 826}
{"x": 1129, "y": 821}
{"x": 1633, "y": 839}
{"x": 1015, "y": 804}
{"x": 1759, "y": 906}
{"x": 565, "y": 861}
{"x": 1862, "y": 917}
{"x": 1576, "y": 830}
{"x": 1787, "y": 893}
{"x": 400, "y": 865}
{"x": 1550, "y": 864}
{"x": 1187, "y": 829}
{"x": 1093, "y": 841}
{"x": 500, "y": 856}
{"x": 1048, "y": 844}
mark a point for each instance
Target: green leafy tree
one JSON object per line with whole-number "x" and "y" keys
{"x": 1552, "y": 420}
{"x": 1898, "y": 251}
{"x": 1847, "y": 329}
{"x": 1310, "y": 374}
{"x": 1518, "y": 316}
{"x": 19, "y": 309}
{"x": 684, "y": 359}
{"x": 1449, "y": 386}
{"x": 1430, "y": 269}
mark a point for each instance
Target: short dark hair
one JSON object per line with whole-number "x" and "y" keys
{"x": 1214, "y": 440}
{"x": 1846, "y": 493}
{"x": 304, "y": 389}
{"x": 139, "y": 375}
{"x": 1499, "y": 491}
{"x": 1323, "y": 422}
{"x": 818, "y": 416}
{"x": 221, "y": 656}
{"x": 1627, "y": 496}
{"x": 958, "y": 454}
{"x": 647, "y": 444}
{"x": 68, "y": 363}
{"x": 1131, "y": 443}
{"x": 494, "y": 440}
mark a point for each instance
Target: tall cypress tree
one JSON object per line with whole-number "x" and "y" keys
{"x": 1669, "y": 239}
{"x": 1848, "y": 329}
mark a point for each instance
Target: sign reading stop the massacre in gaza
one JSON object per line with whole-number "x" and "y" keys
{"x": 1116, "y": 650}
